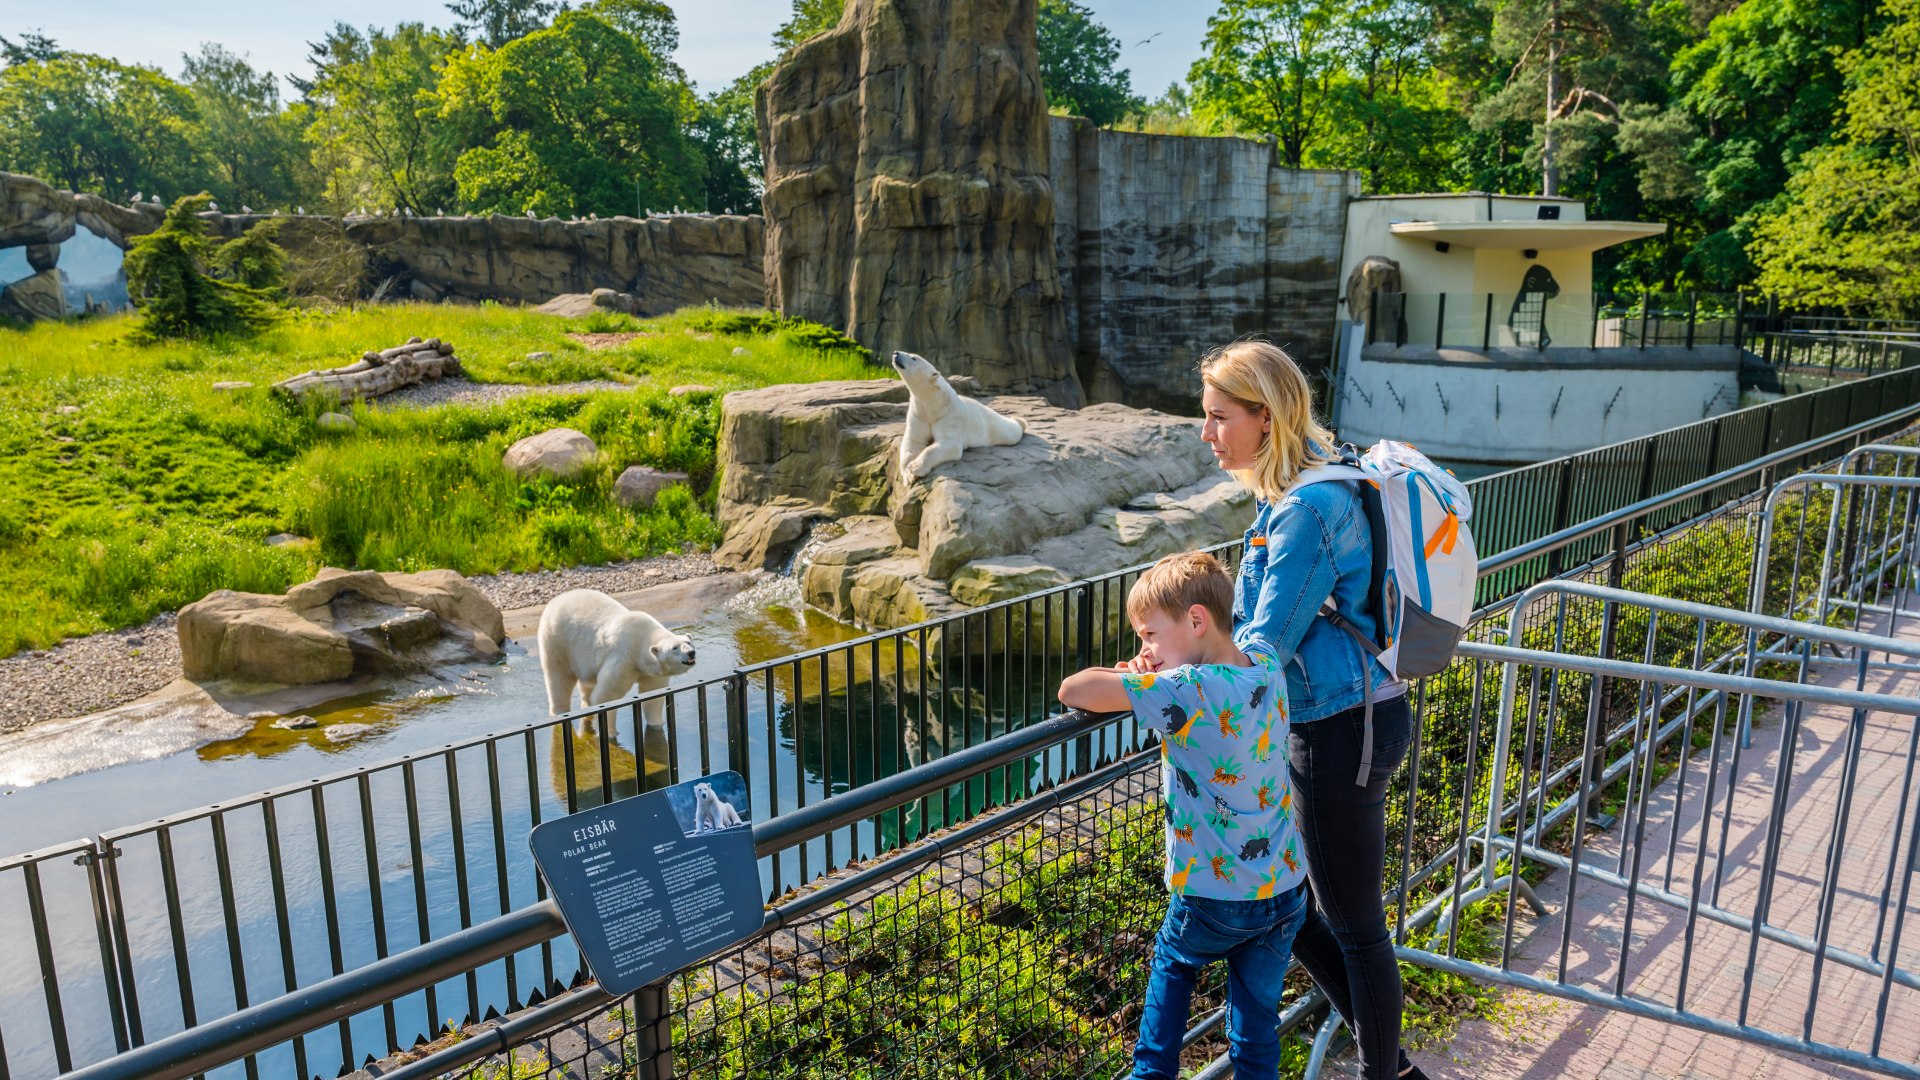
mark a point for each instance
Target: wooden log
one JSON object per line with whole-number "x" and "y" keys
{"x": 374, "y": 374}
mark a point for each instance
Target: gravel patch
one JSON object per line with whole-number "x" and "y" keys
{"x": 467, "y": 392}
{"x": 88, "y": 674}
{"x": 510, "y": 591}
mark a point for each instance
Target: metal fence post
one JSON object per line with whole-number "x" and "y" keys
{"x": 1440, "y": 322}
{"x": 1739, "y": 320}
{"x": 1083, "y": 656}
{"x": 1693, "y": 315}
{"x": 1486, "y": 325}
{"x": 652, "y": 1033}
{"x": 739, "y": 754}
{"x": 1562, "y": 509}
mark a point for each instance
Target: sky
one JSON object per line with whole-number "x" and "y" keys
{"x": 719, "y": 39}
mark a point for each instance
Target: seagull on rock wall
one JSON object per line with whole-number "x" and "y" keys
{"x": 245, "y": 209}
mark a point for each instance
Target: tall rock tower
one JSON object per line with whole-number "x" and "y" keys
{"x": 908, "y": 194}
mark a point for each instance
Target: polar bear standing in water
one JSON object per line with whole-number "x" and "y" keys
{"x": 941, "y": 424}
{"x": 589, "y": 638}
{"x": 710, "y": 814}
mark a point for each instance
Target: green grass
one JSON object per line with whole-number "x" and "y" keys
{"x": 159, "y": 489}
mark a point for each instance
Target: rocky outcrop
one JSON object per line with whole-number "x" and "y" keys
{"x": 1085, "y": 492}
{"x": 908, "y": 199}
{"x": 340, "y": 625}
{"x": 42, "y": 296}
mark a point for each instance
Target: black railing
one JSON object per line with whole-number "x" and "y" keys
{"x": 1538, "y": 321}
{"x": 964, "y": 903}
{"x": 160, "y": 927}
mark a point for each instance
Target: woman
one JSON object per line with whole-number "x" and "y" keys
{"x": 1306, "y": 548}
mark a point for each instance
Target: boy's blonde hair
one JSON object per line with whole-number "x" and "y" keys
{"x": 1259, "y": 374}
{"x": 1178, "y": 582}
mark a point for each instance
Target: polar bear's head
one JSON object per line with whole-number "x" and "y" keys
{"x": 703, "y": 795}
{"x": 921, "y": 377}
{"x": 673, "y": 649}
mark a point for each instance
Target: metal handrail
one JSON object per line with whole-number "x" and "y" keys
{"x": 210, "y": 1045}
{"x": 1552, "y": 542}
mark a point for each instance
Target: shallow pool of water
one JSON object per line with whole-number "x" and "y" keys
{"x": 328, "y": 877}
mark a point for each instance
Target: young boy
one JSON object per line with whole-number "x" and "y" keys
{"x": 1235, "y": 874}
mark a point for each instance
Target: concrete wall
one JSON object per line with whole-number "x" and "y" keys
{"x": 1525, "y": 405}
{"x": 667, "y": 262}
{"x": 1170, "y": 245}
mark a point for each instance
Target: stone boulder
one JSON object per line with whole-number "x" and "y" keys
{"x": 43, "y": 256}
{"x": 42, "y": 296}
{"x": 559, "y": 453}
{"x": 340, "y": 625}
{"x": 1085, "y": 492}
{"x": 909, "y": 198}
{"x": 638, "y": 486}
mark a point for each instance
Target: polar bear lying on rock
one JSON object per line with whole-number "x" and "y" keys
{"x": 941, "y": 424}
{"x": 589, "y": 638}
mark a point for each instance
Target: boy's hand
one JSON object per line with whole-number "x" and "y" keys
{"x": 1141, "y": 665}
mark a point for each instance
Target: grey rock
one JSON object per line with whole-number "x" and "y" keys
{"x": 42, "y": 296}
{"x": 739, "y": 350}
{"x": 690, "y": 388}
{"x": 638, "y": 486}
{"x": 339, "y": 625}
{"x": 297, "y": 723}
{"x": 43, "y": 256}
{"x": 334, "y": 421}
{"x": 536, "y": 357}
{"x": 288, "y": 540}
{"x": 340, "y": 733}
{"x": 560, "y": 453}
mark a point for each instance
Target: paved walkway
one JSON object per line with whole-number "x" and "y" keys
{"x": 1539, "y": 1036}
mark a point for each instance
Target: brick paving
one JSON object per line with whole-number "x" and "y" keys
{"x": 1537, "y": 1036}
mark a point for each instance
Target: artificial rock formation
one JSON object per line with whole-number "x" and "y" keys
{"x": 1085, "y": 492}
{"x": 908, "y": 197}
{"x": 340, "y": 625}
{"x": 557, "y": 453}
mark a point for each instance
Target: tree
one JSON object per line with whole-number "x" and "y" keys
{"x": 1574, "y": 69}
{"x": 1391, "y": 118}
{"x": 91, "y": 124}
{"x": 170, "y": 279}
{"x": 723, "y": 129}
{"x": 1844, "y": 234}
{"x": 572, "y": 119}
{"x": 32, "y": 46}
{"x": 1272, "y": 65}
{"x": 1077, "y": 64}
{"x": 809, "y": 17}
{"x": 250, "y": 143}
{"x": 374, "y": 121}
{"x": 496, "y": 22}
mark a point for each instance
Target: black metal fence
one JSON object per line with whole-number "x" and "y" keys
{"x": 154, "y": 929}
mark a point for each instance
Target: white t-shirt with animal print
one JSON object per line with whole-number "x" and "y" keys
{"x": 1231, "y": 833}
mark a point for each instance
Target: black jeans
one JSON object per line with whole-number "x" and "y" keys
{"x": 1344, "y": 943}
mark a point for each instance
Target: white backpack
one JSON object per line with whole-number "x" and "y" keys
{"x": 1424, "y": 562}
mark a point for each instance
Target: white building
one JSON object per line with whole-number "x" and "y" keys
{"x": 1470, "y": 328}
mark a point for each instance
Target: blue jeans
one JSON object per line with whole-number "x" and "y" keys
{"x": 1255, "y": 938}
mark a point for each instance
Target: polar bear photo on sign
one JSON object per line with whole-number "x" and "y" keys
{"x": 590, "y": 640}
{"x": 711, "y": 813}
{"x": 941, "y": 424}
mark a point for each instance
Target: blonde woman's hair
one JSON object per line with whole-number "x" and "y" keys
{"x": 1257, "y": 375}
{"x": 1178, "y": 582}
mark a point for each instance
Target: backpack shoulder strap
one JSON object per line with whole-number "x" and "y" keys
{"x": 1348, "y": 468}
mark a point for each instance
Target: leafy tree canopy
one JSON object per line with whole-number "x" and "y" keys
{"x": 572, "y": 119}
{"x": 1078, "y": 64}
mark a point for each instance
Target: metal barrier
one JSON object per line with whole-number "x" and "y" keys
{"x": 347, "y": 870}
{"x": 1790, "y": 858}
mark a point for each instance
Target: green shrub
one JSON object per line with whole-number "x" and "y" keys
{"x": 171, "y": 280}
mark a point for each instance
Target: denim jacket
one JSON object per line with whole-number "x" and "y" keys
{"x": 1319, "y": 544}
